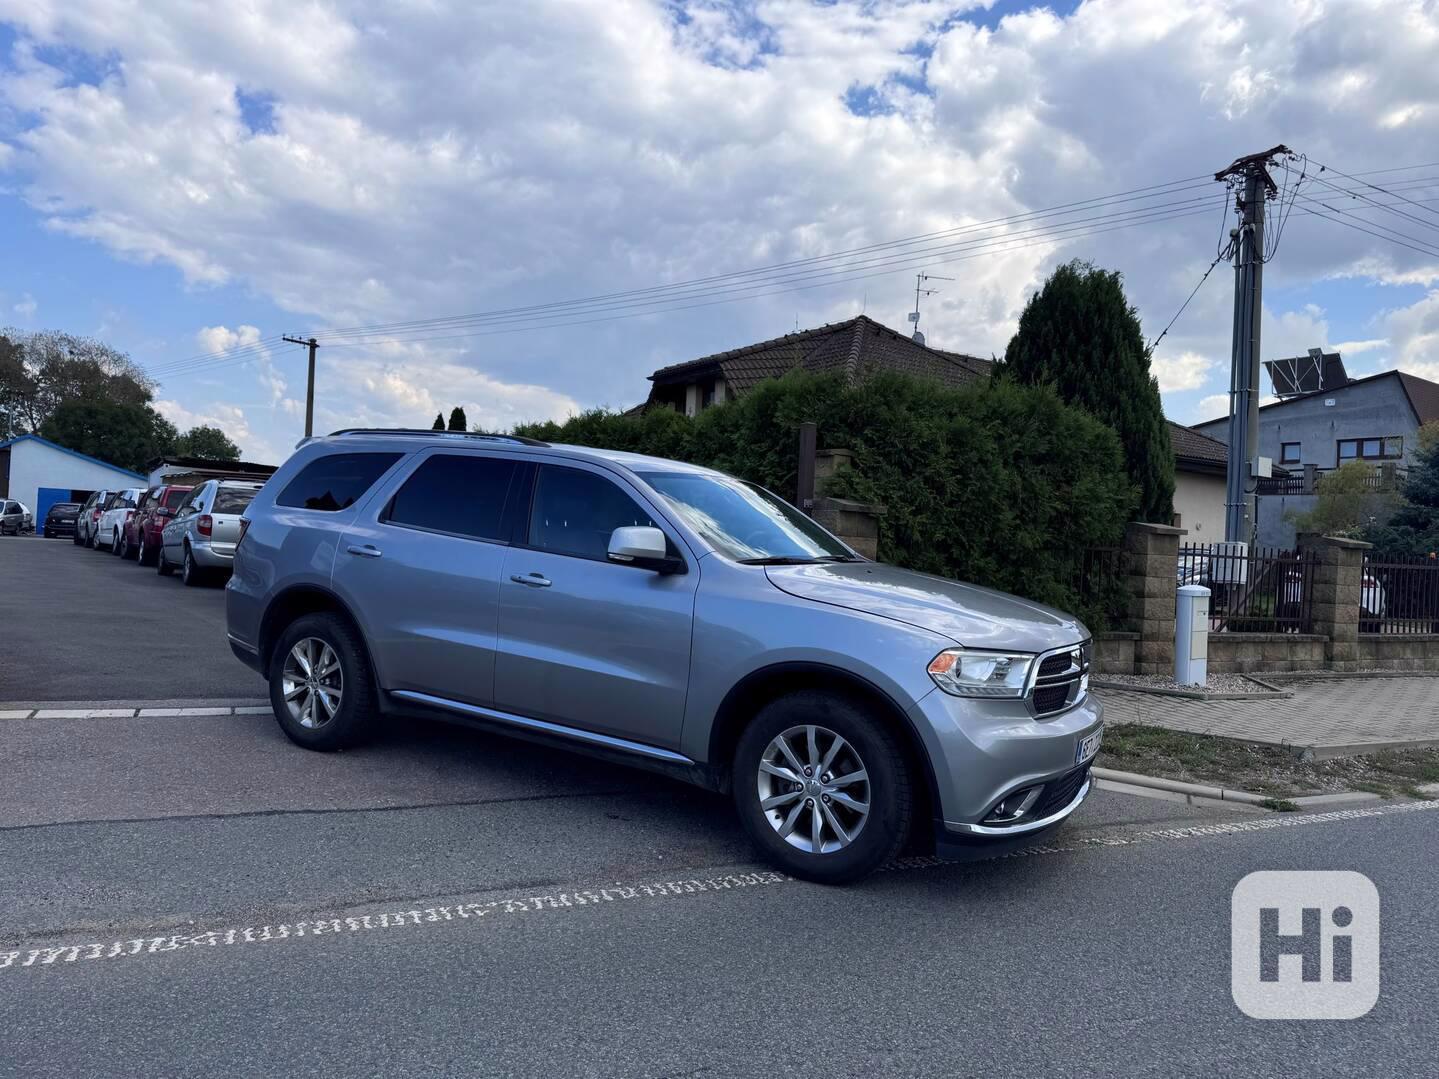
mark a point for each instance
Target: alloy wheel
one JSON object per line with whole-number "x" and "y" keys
{"x": 813, "y": 789}
{"x": 312, "y": 682}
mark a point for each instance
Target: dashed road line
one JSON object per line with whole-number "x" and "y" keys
{"x": 138, "y": 709}
{"x": 213, "y": 942}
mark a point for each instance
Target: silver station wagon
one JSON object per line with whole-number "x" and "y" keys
{"x": 670, "y": 617}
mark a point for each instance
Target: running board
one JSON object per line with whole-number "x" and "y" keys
{"x": 606, "y": 741}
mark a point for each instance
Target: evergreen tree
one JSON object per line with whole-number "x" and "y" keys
{"x": 1080, "y": 335}
{"x": 1414, "y": 527}
{"x": 457, "y": 419}
{"x": 439, "y": 424}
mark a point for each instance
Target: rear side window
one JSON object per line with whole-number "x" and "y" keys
{"x": 574, "y": 512}
{"x": 231, "y": 500}
{"x": 455, "y": 493}
{"x": 174, "y": 496}
{"x": 335, "y": 482}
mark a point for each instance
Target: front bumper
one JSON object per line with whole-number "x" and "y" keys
{"x": 984, "y": 750}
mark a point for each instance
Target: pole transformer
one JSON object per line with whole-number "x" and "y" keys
{"x": 309, "y": 384}
{"x": 1255, "y": 186}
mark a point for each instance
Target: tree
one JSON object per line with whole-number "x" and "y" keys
{"x": 1414, "y": 527}
{"x": 41, "y": 371}
{"x": 124, "y": 434}
{"x": 208, "y": 442}
{"x": 439, "y": 424}
{"x": 457, "y": 419}
{"x": 1080, "y": 335}
{"x": 1345, "y": 504}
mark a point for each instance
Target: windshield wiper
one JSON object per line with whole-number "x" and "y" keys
{"x": 796, "y": 560}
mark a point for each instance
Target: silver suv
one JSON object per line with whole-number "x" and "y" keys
{"x": 670, "y": 617}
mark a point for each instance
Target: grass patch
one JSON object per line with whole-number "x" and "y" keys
{"x": 1271, "y": 770}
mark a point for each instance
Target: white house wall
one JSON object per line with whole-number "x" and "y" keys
{"x": 34, "y": 465}
{"x": 1199, "y": 502}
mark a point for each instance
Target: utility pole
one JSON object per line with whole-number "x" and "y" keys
{"x": 1258, "y": 187}
{"x": 920, "y": 290}
{"x": 310, "y": 384}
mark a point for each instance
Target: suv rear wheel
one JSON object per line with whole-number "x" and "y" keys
{"x": 321, "y": 686}
{"x": 822, "y": 787}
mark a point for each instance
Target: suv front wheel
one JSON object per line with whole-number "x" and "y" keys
{"x": 822, "y": 787}
{"x": 321, "y": 687}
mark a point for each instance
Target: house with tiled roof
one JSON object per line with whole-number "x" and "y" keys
{"x": 1200, "y": 465}
{"x": 855, "y": 348}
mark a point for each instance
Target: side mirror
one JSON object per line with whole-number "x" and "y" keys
{"x": 643, "y": 546}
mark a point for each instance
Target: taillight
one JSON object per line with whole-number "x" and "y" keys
{"x": 94, "y": 515}
{"x": 205, "y": 525}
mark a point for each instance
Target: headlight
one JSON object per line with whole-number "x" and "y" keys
{"x": 968, "y": 673}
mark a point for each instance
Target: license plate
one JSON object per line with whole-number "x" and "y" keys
{"x": 1088, "y": 747}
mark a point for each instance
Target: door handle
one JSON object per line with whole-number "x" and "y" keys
{"x": 534, "y": 580}
{"x": 365, "y": 550}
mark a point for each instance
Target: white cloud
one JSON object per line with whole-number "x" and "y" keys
{"x": 1213, "y": 407}
{"x": 1414, "y": 334}
{"x": 461, "y": 156}
{"x": 221, "y": 338}
{"x": 1354, "y": 348}
{"x": 27, "y": 307}
{"x": 1186, "y": 371}
{"x": 229, "y": 418}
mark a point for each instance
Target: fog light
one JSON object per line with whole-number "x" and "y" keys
{"x": 1013, "y": 806}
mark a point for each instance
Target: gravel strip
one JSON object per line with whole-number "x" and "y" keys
{"x": 1218, "y": 683}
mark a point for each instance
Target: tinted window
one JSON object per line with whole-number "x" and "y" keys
{"x": 335, "y": 482}
{"x": 574, "y": 512}
{"x": 451, "y": 493}
{"x": 12, "y": 507}
{"x": 174, "y": 496}
{"x": 232, "y": 500}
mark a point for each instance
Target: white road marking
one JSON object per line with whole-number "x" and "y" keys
{"x": 141, "y": 709}
{"x": 213, "y": 941}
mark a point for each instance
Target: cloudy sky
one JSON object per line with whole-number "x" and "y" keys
{"x": 180, "y": 177}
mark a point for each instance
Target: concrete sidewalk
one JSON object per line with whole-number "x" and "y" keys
{"x": 1328, "y": 716}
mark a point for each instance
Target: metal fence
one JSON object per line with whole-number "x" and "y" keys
{"x": 1252, "y": 589}
{"x": 1399, "y": 594}
{"x": 1100, "y": 581}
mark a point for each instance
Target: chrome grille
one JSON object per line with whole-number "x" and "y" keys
{"x": 1060, "y": 679}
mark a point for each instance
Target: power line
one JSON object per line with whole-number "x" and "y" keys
{"x": 1376, "y": 187}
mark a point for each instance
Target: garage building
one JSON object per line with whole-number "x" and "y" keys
{"x": 39, "y": 473}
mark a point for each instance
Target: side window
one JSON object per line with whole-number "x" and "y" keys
{"x": 335, "y": 482}
{"x": 188, "y": 506}
{"x": 574, "y": 512}
{"x": 175, "y": 498}
{"x": 456, "y": 493}
{"x": 12, "y": 507}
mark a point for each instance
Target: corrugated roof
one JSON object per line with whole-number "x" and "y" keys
{"x": 856, "y": 348}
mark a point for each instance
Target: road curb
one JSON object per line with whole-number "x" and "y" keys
{"x": 1175, "y": 786}
{"x": 1271, "y": 693}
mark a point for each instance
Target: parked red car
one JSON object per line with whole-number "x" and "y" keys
{"x": 141, "y": 536}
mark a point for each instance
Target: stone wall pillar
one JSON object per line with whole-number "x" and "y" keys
{"x": 1152, "y": 554}
{"x": 1335, "y": 600}
{"x": 857, "y": 523}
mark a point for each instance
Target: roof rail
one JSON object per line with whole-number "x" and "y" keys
{"x": 418, "y": 432}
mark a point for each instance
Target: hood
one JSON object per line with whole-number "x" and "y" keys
{"x": 967, "y": 614}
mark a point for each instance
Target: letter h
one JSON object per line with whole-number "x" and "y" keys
{"x": 1272, "y": 944}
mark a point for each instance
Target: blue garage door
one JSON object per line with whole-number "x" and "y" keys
{"x": 47, "y": 497}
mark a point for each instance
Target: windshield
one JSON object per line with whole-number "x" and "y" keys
{"x": 743, "y": 521}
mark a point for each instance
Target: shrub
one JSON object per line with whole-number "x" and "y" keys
{"x": 998, "y": 483}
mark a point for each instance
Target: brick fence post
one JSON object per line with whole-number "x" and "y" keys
{"x": 1152, "y": 553}
{"x": 1335, "y": 602}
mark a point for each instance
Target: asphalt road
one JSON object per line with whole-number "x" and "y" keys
{"x": 213, "y": 901}
{"x": 79, "y": 624}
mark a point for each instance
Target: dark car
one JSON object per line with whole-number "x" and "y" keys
{"x": 60, "y": 520}
{"x": 141, "y": 536}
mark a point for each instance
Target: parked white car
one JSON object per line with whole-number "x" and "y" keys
{"x": 112, "y": 519}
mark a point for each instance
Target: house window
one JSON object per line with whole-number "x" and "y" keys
{"x": 1390, "y": 448}
{"x": 1289, "y": 453}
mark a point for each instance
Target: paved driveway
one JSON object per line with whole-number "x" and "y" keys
{"x": 82, "y": 625}
{"x": 1327, "y": 714}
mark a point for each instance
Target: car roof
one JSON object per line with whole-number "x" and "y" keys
{"x": 404, "y": 440}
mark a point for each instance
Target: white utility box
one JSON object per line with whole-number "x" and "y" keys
{"x": 1191, "y": 636}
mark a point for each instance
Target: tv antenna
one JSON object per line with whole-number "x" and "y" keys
{"x": 920, "y": 290}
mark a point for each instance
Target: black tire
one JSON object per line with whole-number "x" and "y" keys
{"x": 891, "y": 797}
{"x": 75, "y": 539}
{"x": 192, "y": 575}
{"x": 145, "y": 556}
{"x": 115, "y": 541}
{"x": 162, "y": 564}
{"x": 356, "y": 717}
{"x": 90, "y": 541}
